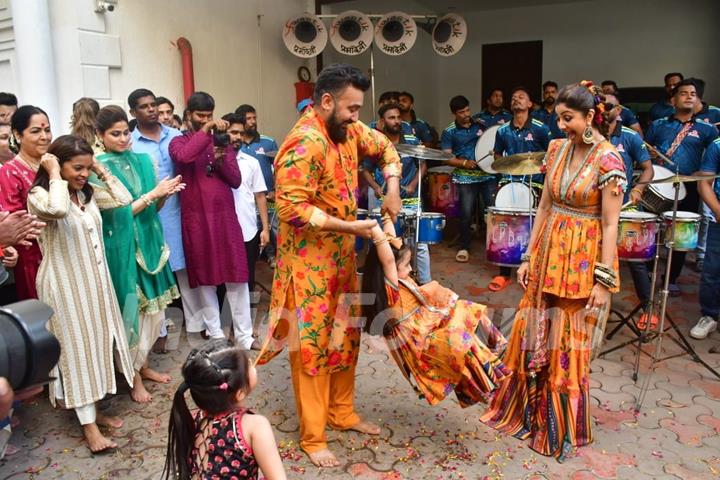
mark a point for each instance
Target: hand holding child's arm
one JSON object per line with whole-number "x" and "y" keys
{"x": 262, "y": 441}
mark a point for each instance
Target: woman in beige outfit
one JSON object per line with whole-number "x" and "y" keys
{"x": 74, "y": 280}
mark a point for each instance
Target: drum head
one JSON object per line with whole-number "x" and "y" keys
{"x": 515, "y": 195}
{"x": 665, "y": 190}
{"x": 484, "y": 148}
{"x": 635, "y": 215}
{"x": 682, "y": 216}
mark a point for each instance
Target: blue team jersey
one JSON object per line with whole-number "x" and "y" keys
{"x": 409, "y": 167}
{"x": 461, "y": 141}
{"x": 630, "y": 146}
{"x": 627, "y": 116}
{"x": 661, "y": 110}
{"x": 711, "y": 164}
{"x": 709, "y": 114}
{"x": 258, "y": 148}
{"x": 422, "y": 130}
{"x": 534, "y": 136}
{"x": 688, "y": 155}
{"x": 550, "y": 121}
{"x": 503, "y": 116}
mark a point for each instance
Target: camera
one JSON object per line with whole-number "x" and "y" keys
{"x": 28, "y": 351}
{"x": 103, "y": 6}
{"x": 221, "y": 139}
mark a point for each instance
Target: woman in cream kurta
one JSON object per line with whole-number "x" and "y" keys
{"x": 74, "y": 281}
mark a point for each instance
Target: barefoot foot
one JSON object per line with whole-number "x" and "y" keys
{"x": 366, "y": 428}
{"x": 96, "y": 441}
{"x": 139, "y": 393}
{"x": 108, "y": 421}
{"x": 324, "y": 458}
{"x": 154, "y": 376}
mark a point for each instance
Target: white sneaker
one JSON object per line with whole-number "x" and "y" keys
{"x": 703, "y": 328}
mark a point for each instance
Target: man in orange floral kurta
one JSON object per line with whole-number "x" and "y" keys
{"x": 314, "y": 305}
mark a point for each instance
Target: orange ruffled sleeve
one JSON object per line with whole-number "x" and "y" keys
{"x": 612, "y": 172}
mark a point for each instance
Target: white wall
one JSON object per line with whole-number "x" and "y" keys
{"x": 633, "y": 42}
{"x": 235, "y": 59}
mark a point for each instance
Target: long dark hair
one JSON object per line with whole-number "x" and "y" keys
{"x": 65, "y": 148}
{"x": 213, "y": 374}
{"x": 583, "y": 98}
{"x": 109, "y": 116}
{"x": 376, "y": 313}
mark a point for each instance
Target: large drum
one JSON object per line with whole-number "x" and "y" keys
{"x": 658, "y": 197}
{"x": 687, "y": 226}
{"x": 431, "y": 228}
{"x": 443, "y": 193}
{"x": 637, "y": 232}
{"x": 508, "y": 234}
{"x": 484, "y": 149}
{"x": 516, "y": 195}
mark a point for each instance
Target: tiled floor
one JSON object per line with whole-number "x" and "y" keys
{"x": 674, "y": 436}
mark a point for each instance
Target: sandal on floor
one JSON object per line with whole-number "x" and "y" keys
{"x": 642, "y": 323}
{"x": 498, "y": 283}
{"x": 462, "y": 256}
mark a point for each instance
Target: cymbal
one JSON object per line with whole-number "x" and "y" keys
{"x": 680, "y": 179}
{"x": 421, "y": 151}
{"x": 528, "y": 163}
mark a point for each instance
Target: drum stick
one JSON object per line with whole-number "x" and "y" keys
{"x": 665, "y": 158}
{"x": 626, "y": 205}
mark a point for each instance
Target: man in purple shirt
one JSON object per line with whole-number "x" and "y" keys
{"x": 212, "y": 238}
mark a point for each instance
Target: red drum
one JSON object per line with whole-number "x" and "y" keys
{"x": 636, "y": 236}
{"x": 443, "y": 193}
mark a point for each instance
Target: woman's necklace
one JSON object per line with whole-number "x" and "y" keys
{"x": 31, "y": 165}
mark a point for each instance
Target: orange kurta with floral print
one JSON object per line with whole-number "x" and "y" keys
{"x": 315, "y": 177}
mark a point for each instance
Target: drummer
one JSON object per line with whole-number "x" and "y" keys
{"x": 392, "y": 120}
{"x": 494, "y": 113}
{"x": 523, "y": 134}
{"x": 682, "y": 138}
{"x": 546, "y": 113}
{"x": 630, "y": 146}
{"x": 459, "y": 138}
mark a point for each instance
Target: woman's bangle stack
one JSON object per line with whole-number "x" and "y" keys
{"x": 605, "y": 275}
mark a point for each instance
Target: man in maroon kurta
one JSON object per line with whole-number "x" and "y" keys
{"x": 212, "y": 238}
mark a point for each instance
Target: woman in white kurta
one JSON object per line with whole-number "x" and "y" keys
{"x": 74, "y": 280}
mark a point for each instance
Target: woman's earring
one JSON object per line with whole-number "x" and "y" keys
{"x": 588, "y": 135}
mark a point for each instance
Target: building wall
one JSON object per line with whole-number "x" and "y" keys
{"x": 632, "y": 42}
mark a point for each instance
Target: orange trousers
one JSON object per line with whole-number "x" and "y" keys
{"x": 321, "y": 400}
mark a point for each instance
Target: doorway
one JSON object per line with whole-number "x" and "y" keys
{"x": 510, "y": 65}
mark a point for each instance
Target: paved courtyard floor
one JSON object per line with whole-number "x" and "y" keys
{"x": 675, "y": 435}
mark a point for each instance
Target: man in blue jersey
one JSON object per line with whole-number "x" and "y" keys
{"x": 264, "y": 149}
{"x": 422, "y": 129}
{"x": 459, "y": 138}
{"x": 494, "y": 112}
{"x": 546, "y": 114}
{"x": 664, "y": 108}
{"x": 522, "y": 134}
{"x": 631, "y": 147}
{"x": 709, "y": 294}
{"x": 683, "y": 139}
{"x": 627, "y": 116}
{"x": 387, "y": 98}
{"x": 409, "y": 179}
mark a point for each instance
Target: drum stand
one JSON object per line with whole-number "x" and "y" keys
{"x": 658, "y": 335}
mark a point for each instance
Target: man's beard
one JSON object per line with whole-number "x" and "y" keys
{"x": 251, "y": 131}
{"x": 337, "y": 133}
{"x": 196, "y": 126}
{"x": 549, "y": 101}
{"x": 393, "y": 130}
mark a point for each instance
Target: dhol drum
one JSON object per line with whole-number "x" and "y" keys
{"x": 508, "y": 234}
{"x": 659, "y": 197}
{"x": 687, "y": 226}
{"x": 637, "y": 232}
{"x": 431, "y": 228}
{"x": 360, "y": 242}
{"x": 516, "y": 195}
{"x": 443, "y": 193}
{"x": 484, "y": 149}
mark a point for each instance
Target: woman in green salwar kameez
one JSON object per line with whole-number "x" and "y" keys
{"x": 137, "y": 254}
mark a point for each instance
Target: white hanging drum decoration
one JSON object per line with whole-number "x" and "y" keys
{"x": 305, "y": 35}
{"x": 351, "y": 32}
{"x": 395, "y": 33}
{"x": 449, "y": 35}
